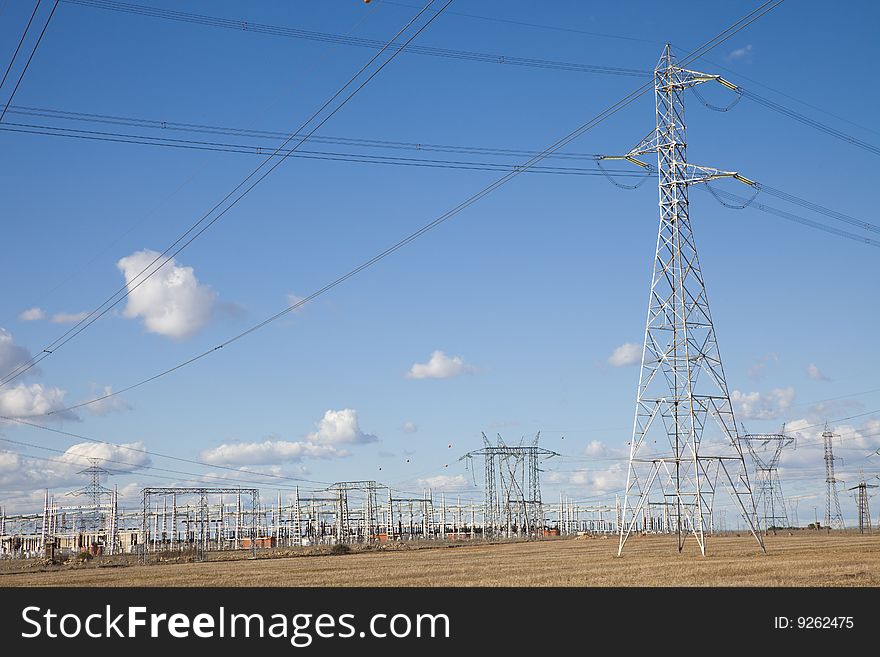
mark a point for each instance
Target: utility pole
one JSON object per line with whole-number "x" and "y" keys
{"x": 682, "y": 386}
{"x": 833, "y": 517}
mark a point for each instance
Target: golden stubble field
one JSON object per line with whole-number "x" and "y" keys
{"x": 805, "y": 559}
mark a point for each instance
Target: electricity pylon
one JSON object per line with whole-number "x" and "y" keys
{"x": 93, "y": 519}
{"x": 682, "y": 382}
{"x": 833, "y": 516}
{"x": 862, "y": 503}
{"x": 766, "y": 450}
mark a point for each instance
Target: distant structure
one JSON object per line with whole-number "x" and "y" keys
{"x": 862, "y": 503}
{"x": 514, "y": 507}
{"x": 682, "y": 386}
{"x": 93, "y": 518}
{"x": 833, "y": 517}
{"x": 766, "y": 449}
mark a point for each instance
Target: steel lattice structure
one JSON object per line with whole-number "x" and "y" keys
{"x": 93, "y": 520}
{"x": 766, "y": 450}
{"x": 833, "y": 516}
{"x": 197, "y": 519}
{"x": 682, "y": 385}
{"x": 517, "y": 506}
{"x": 862, "y": 503}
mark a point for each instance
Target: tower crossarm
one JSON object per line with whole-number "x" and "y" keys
{"x": 692, "y": 174}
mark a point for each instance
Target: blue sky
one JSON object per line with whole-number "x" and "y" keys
{"x": 533, "y": 288}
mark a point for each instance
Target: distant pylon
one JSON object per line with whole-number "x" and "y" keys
{"x": 766, "y": 450}
{"x": 833, "y": 517}
{"x": 682, "y": 383}
{"x": 93, "y": 519}
{"x": 862, "y": 503}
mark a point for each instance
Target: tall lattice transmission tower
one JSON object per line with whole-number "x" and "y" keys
{"x": 682, "y": 385}
{"x": 766, "y": 450}
{"x": 862, "y": 503}
{"x": 92, "y": 518}
{"x": 515, "y": 504}
{"x": 833, "y": 517}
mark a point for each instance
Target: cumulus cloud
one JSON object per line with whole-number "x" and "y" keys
{"x": 338, "y": 427}
{"x": 105, "y": 406}
{"x": 269, "y": 452}
{"x": 439, "y": 366}
{"x": 444, "y": 482}
{"x": 172, "y": 302}
{"x": 68, "y": 318}
{"x": 124, "y": 457}
{"x": 24, "y": 475}
{"x": 25, "y": 400}
{"x": 626, "y": 354}
{"x": 410, "y": 427}
{"x": 11, "y": 354}
{"x": 740, "y": 53}
{"x": 598, "y": 482}
{"x": 815, "y": 373}
{"x": 762, "y": 406}
{"x": 335, "y": 428}
{"x": 596, "y": 448}
{"x": 32, "y": 314}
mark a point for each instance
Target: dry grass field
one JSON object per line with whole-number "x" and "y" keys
{"x": 805, "y": 559}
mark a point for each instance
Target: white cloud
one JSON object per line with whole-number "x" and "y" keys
{"x": 596, "y": 448}
{"x": 439, "y": 366}
{"x": 335, "y": 428}
{"x": 105, "y": 406}
{"x": 597, "y": 482}
{"x": 762, "y": 406}
{"x": 740, "y": 53}
{"x": 26, "y": 475}
{"x": 25, "y": 400}
{"x": 410, "y": 427}
{"x": 125, "y": 457}
{"x": 340, "y": 427}
{"x": 172, "y": 302}
{"x": 32, "y": 314}
{"x": 68, "y": 318}
{"x": 815, "y": 373}
{"x": 444, "y": 482}
{"x": 11, "y": 354}
{"x": 626, "y": 354}
{"x": 269, "y": 452}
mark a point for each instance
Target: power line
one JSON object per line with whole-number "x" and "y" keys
{"x": 422, "y": 162}
{"x": 28, "y": 62}
{"x": 137, "y": 466}
{"x": 324, "y": 37}
{"x": 247, "y": 149}
{"x": 139, "y": 450}
{"x": 790, "y": 97}
{"x": 21, "y": 41}
{"x": 815, "y": 207}
{"x": 555, "y": 28}
{"x": 485, "y": 191}
{"x": 130, "y": 285}
{"x": 164, "y": 126}
{"x": 246, "y": 26}
{"x": 788, "y": 215}
{"x": 797, "y": 116}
